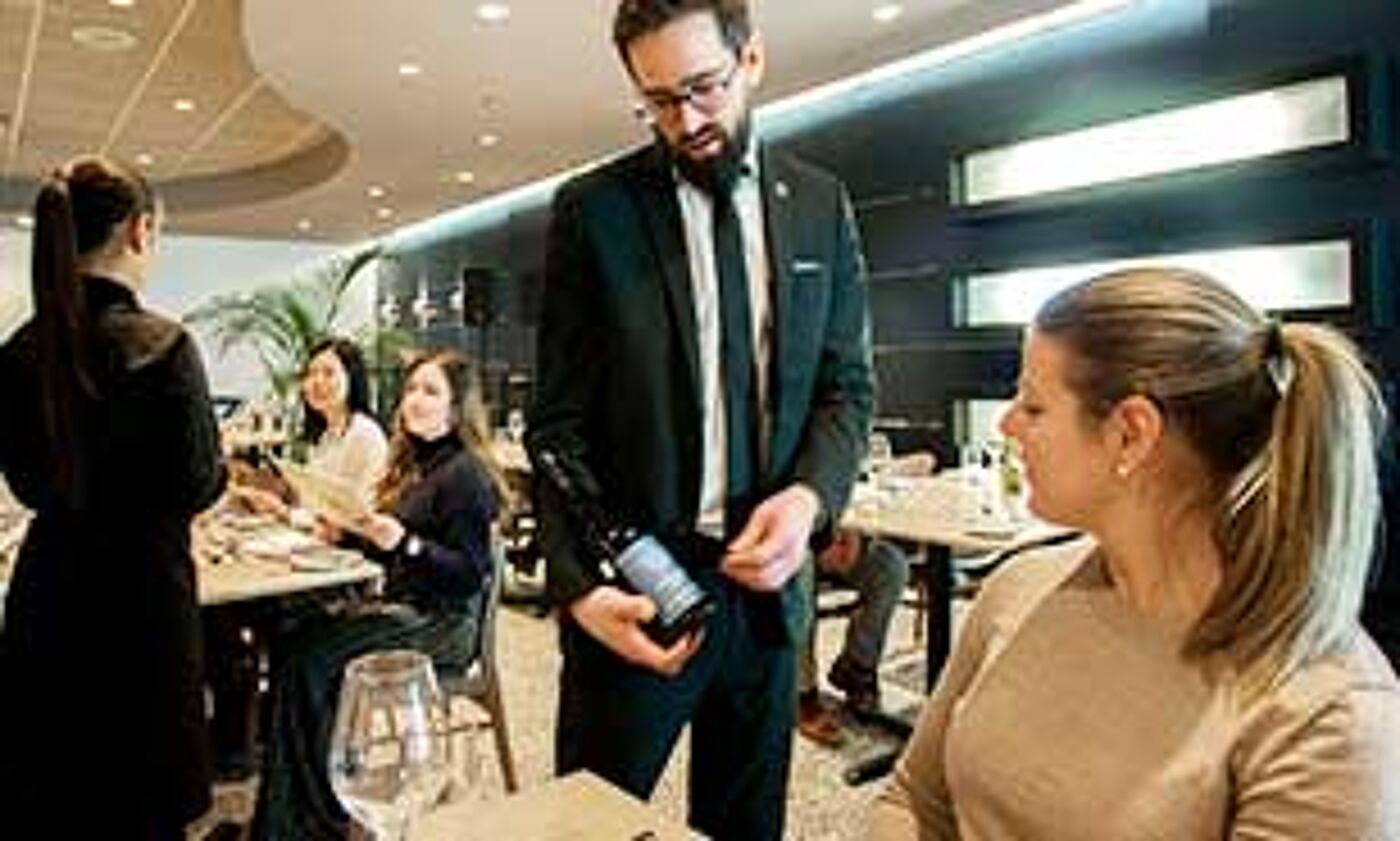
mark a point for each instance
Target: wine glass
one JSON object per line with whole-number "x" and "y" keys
{"x": 389, "y": 748}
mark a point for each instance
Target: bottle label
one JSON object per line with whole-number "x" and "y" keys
{"x": 649, "y": 567}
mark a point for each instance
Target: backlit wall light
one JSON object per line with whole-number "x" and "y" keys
{"x": 1269, "y": 122}
{"x": 487, "y": 140}
{"x": 1295, "y": 276}
{"x": 185, "y": 105}
{"x": 408, "y": 68}
{"x": 424, "y": 310}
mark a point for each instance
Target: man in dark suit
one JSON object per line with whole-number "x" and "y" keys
{"x": 704, "y": 351}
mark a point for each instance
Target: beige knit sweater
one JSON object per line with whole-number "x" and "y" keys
{"x": 1064, "y": 715}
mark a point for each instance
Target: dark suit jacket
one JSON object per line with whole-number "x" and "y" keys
{"x": 618, "y": 366}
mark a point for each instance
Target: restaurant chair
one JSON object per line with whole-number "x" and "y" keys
{"x": 971, "y": 570}
{"x": 480, "y": 682}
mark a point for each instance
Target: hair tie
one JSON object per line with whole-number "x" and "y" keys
{"x": 1276, "y": 360}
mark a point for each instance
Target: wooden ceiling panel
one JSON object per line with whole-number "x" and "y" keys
{"x": 206, "y": 65}
{"x": 14, "y": 38}
{"x": 76, "y": 92}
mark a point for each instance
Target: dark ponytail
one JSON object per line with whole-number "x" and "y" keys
{"x": 75, "y": 213}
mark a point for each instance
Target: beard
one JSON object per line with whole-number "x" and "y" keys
{"x": 716, "y": 172}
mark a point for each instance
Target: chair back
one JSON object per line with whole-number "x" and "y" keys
{"x": 480, "y": 681}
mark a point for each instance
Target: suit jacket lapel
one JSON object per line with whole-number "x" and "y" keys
{"x": 658, "y": 206}
{"x": 779, "y": 208}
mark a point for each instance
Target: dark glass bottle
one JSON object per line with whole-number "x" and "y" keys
{"x": 621, "y": 550}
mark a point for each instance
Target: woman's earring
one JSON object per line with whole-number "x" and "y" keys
{"x": 1122, "y": 470}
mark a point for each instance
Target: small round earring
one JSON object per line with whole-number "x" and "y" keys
{"x": 1122, "y": 470}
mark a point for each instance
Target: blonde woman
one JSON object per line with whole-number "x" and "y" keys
{"x": 437, "y": 502}
{"x": 1194, "y": 669}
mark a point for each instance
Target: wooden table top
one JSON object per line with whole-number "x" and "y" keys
{"x": 578, "y": 807}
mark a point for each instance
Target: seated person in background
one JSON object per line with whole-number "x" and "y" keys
{"x": 439, "y": 499}
{"x": 343, "y": 439}
{"x": 344, "y": 442}
{"x": 878, "y": 571}
{"x": 1195, "y": 667}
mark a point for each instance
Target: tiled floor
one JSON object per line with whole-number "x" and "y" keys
{"x": 820, "y": 805}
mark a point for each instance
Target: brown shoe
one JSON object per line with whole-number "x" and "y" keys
{"x": 819, "y": 721}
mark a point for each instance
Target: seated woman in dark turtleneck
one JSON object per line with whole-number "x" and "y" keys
{"x": 436, "y": 503}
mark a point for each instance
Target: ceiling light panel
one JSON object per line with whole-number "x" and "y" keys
{"x": 493, "y": 12}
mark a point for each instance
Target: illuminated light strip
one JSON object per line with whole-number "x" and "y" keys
{"x": 1250, "y": 126}
{"x": 1293, "y": 276}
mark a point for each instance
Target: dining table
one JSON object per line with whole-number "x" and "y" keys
{"x": 959, "y": 512}
{"x": 576, "y": 807}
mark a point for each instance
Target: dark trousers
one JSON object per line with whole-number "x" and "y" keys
{"x": 737, "y": 692}
{"x": 295, "y": 800}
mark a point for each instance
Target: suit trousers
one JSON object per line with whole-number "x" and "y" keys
{"x": 737, "y": 692}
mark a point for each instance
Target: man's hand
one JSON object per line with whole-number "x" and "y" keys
{"x": 615, "y": 619}
{"x": 770, "y": 549}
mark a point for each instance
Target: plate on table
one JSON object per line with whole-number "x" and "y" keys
{"x": 278, "y": 544}
{"x": 321, "y": 558}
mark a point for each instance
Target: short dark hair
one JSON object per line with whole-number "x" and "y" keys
{"x": 635, "y": 18}
{"x": 357, "y": 384}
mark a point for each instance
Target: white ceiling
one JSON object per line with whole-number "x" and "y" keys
{"x": 301, "y": 108}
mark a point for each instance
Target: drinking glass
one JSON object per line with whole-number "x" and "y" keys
{"x": 389, "y": 749}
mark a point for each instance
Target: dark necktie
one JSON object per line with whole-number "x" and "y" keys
{"x": 736, "y": 362}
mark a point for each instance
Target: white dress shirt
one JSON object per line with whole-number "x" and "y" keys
{"x": 697, "y": 212}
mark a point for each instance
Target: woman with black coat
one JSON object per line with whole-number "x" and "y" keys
{"x": 107, "y": 433}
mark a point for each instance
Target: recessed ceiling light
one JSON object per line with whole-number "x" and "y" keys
{"x": 122, "y": 4}
{"x": 144, "y": 159}
{"x": 185, "y": 105}
{"x": 303, "y": 225}
{"x": 105, "y": 39}
{"x": 24, "y": 221}
{"x": 493, "y": 12}
{"x": 487, "y": 139}
{"x": 464, "y": 176}
{"x": 886, "y": 12}
{"x": 385, "y": 213}
{"x": 376, "y": 192}
{"x": 408, "y": 68}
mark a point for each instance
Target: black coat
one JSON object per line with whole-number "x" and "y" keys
{"x": 100, "y": 654}
{"x": 619, "y": 371}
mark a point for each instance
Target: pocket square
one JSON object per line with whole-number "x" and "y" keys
{"x": 806, "y": 266}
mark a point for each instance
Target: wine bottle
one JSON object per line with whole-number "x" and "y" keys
{"x": 618, "y": 549}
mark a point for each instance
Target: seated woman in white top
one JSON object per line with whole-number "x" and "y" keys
{"x": 343, "y": 440}
{"x": 1194, "y": 668}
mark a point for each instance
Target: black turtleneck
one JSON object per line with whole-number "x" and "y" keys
{"x": 427, "y": 452}
{"x": 447, "y": 514}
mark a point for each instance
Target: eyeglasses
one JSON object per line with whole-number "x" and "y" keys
{"x": 706, "y": 94}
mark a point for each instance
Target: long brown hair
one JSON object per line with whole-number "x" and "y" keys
{"x": 469, "y": 425}
{"x": 1287, "y": 421}
{"x": 77, "y": 211}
